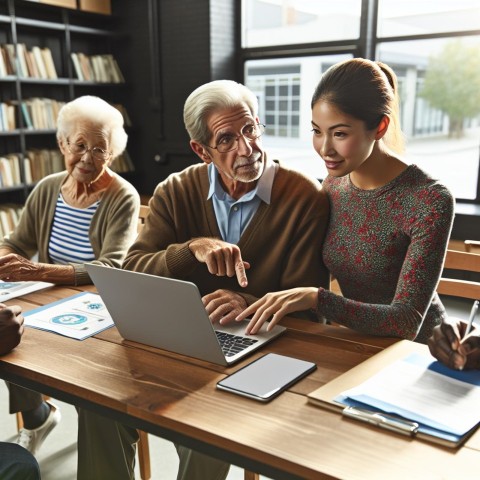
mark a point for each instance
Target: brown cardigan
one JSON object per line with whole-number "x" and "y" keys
{"x": 282, "y": 242}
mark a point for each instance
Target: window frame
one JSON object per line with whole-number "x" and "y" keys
{"x": 365, "y": 46}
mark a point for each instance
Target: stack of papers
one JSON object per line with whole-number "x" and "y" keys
{"x": 79, "y": 316}
{"x": 9, "y": 290}
{"x": 405, "y": 386}
{"x": 443, "y": 401}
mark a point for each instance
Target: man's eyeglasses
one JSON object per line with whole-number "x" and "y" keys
{"x": 227, "y": 143}
{"x": 81, "y": 149}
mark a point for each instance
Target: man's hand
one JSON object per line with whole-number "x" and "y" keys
{"x": 223, "y": 306}
{"x": 221, "y": 258}
{"x": 15, "y": 268}
{"x": 448, "y": 345}
{"x": 11, "y": 327}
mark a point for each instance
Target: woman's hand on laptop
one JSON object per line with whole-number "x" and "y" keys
{"x": 276, "y": 305}
{"x": 223, "y": 306}
{"x": 221, "y": 258}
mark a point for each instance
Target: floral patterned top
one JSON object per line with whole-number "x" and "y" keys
{"x": 386, "y": 248}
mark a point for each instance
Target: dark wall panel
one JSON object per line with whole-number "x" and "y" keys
{"x": 174, "y": 47}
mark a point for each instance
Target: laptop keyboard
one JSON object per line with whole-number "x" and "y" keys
{"x": 233, "y": 344}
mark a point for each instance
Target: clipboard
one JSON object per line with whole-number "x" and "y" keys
{"x": 329, "y": 396}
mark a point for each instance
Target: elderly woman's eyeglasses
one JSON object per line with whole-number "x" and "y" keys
{"x": 228, "y": 142}
{"x": 81, "y": 149}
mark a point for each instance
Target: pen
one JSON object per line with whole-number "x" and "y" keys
{"x": 473, "y": 312}
{"x": 382, "y": 420}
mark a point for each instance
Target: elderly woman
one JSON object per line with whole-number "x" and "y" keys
{"x": 86, "y": 214}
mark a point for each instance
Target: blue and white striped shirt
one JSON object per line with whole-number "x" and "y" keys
{"x": 69, "y": 240}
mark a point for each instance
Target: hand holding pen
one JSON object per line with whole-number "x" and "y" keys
{"x": 455, "y": 344}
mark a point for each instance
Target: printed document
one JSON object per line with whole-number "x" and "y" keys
{"x": 9, "y": 290}
{"x": 79, "y": 316}
{"x": 416, "y": 392}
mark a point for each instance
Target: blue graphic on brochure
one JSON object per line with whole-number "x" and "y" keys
{"x": 79, "y": 316}
{"x": 69, "y": 319}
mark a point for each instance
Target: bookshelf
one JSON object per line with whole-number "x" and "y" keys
{"x": 32, "y": 28}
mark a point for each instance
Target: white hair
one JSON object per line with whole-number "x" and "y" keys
{"x": 219, "y": 94}
{"x": 97, "y": 111}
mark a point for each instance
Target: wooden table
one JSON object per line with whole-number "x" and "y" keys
{"x": 175, "y": 397}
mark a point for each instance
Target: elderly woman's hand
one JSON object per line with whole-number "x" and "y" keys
{"x": 448, "y": 345}
{"x": 15, "y": 268}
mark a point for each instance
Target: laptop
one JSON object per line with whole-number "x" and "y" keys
{"x": 169, "y": 314}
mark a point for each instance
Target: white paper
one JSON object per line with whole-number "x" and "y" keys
{"x": 422, "y": 395}
{"x": 79, "y": 316}
{"x": 9, "y": 290}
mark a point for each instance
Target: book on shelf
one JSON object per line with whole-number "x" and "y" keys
{"x": 3, "y": 117}
{"x": 27, "y": 169}
{"x": 49, "y": 63}
{"x": 8, "y": 51}
{"x": 41, "y": 113}
{"x": 9, "y": 217}
{"x": 22, "y": 68}
{"x": 6, "y": 175}
{"x": 76, "y": 66}
{"x": 3, "y": 65}
{"x": 35, "y": 63}
{"x": 10, "y": 170}
{"x": 32, "y": 65}
{"x": 5, "y": 225}
{"x": 14, "y": 160}
{"x": 7, "y": 112}
{"x": 116, "y": 73}
{"x": 87, "y": 72}
{"x": 37, "y": 55}
{"x": 97, "y": 68}
{"x": 39, "y": 163}
{"x": 27, "y": 119}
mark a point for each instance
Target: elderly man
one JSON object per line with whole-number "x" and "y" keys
{"x": 238, "y": 225}
{"x": 15, "y": 461}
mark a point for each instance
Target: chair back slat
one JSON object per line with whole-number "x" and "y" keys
{"x": 142, "y": 215}
{"x": 461, "y": 261}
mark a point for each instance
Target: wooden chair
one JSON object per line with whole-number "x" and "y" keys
{"x": 143, "y": 449}
{"x": 472, "y": 246}
{"x": 461, "y": 262}
{"x": 142, "y": 215}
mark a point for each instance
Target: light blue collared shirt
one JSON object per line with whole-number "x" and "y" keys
{"x": 233, "y": 216}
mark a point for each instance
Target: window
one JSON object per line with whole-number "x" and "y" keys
{"x": 284, "y": 88}
{"x": 272, "y": 22}
{"x": 443, "y": 141}
{"x": 434, "y": 48}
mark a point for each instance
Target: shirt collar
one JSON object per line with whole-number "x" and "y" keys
{"x": 263, "y": 188}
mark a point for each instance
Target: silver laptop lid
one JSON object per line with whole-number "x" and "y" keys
{"x": 165, "y": 313}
